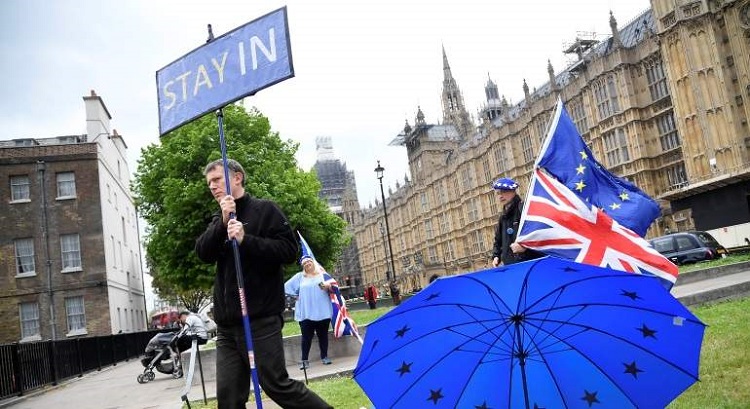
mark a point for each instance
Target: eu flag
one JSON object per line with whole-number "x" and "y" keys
{"x": 566, "y": 157}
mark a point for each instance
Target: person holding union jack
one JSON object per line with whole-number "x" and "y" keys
{"x": 313, "y": 308}
{"x": 506, "y": 250}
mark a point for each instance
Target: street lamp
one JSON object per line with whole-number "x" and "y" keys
{"x": 385, "y": 250}
{"x": 379, "y": 174}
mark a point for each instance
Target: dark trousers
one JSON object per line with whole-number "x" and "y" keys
{"x": 309, "y": 328}
{"x": 373, "y": 304}
{"x": 233, "y": 369}
{"x": 186, "y": 341}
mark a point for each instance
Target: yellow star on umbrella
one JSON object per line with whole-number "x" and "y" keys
{"x": 614, "y": 206}
{"x": 624, "y": 196}
{"x": 583, "y": 155}
{"x": 580, "y": 169}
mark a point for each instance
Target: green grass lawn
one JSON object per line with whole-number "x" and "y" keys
{"x": 725, "y": 358}
{"x": 724, "y": 372}
{"x": 734, "y": 258}
{"x": 361, "y": 317}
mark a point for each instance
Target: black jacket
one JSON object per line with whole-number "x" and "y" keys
{"x": 506, "y": 232}
{"x": 269, "y": 243}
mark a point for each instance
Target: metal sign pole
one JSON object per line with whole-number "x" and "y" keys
{"x": 237, "y": 263}
{"x": 266, "y": 40}
{"x": 238, "y": 270}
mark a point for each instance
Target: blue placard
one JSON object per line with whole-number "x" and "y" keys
{"x": 239, "y": 63}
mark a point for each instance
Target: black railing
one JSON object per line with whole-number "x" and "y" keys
{"x": 31, "y": 365}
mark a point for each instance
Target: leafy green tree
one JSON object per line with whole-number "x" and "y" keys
{"x": 191, "y": 299}
{"x": 172, "y": 195}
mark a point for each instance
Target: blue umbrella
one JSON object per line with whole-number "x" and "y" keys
{"x": 546, "y": 333}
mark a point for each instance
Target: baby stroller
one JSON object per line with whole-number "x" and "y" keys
{"x": 162, "y": 354}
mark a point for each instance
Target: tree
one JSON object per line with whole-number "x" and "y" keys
{"x": 192, "y": 300}
{"x": 172, "y": 196}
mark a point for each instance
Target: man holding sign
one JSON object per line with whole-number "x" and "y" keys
{"x": 250, "y": 239}
{"x": 266, "y": 242}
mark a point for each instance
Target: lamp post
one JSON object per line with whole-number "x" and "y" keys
{"x": 379, "y": 173}
{"x": 385, "y": 251}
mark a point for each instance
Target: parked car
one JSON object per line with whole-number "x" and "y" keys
{"x": 689, "y": 247}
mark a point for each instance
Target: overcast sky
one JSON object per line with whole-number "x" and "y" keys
{"x": 361, "y": 67}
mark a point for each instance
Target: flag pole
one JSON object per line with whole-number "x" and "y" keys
{"x": 237, "y": 263}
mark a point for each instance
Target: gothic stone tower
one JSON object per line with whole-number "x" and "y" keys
{"x": 454, "y": 110}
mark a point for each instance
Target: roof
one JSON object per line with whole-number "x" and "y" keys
{"x": 435, "y": 133}
{"x": 635, "y": 32}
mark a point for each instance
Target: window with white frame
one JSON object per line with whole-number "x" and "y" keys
{"x": 424, "y": 199}
{"x": 579, "y": 115}
{"x": 448, "y": 253}
{"x": 605, "y": 95}
{"x": 498, "y": 153}
{"x": 467, "y": 177}
{"x": 616, "y": 147}
{"x": 76, "y": 313}
{"x": 440, "y": 189}
{"x": 429, "y": 233}
{"x": 25, "y": 265}
{"x": 114, "y": 251}
{"x": 70, "y": 247}
{"x": 122, "y": 259}
{"x": 446, "y": 222}
{"x": 466, "y": 246}
{"x": 478, "y": 241}
{"x": 432, "y": 255}
{"x": 676, "y": 175}
{"x": 667, "y": 132}
{"x": 541, "y": 127}
{"x": 29, "y": 314}
{"x": 601, "y": 99}
{"x": 657, "y": 80}
{"x": 474, "y": 212}
{"x": 20, "y": 190}
{"x": 612, "y": 88}
{"x": 124, "y": 231}
{"x": 66, "y": 185}
{"x": 526, "y": 146}
{"x": 486, "y": 168}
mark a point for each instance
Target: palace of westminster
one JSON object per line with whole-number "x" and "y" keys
{"x": 661, "y": 103}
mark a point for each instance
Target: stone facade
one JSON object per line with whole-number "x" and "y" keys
{"x": 660, "y": 103}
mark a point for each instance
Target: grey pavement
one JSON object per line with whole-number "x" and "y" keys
{"x": 116, "y": 387}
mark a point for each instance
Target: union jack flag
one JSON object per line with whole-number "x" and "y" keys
{"x": 342, "y": 323}
{"x": 565, "y": 156}
{"x": 557, "y": 222}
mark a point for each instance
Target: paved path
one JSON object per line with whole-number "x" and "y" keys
{"x": 116, "y": 387}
